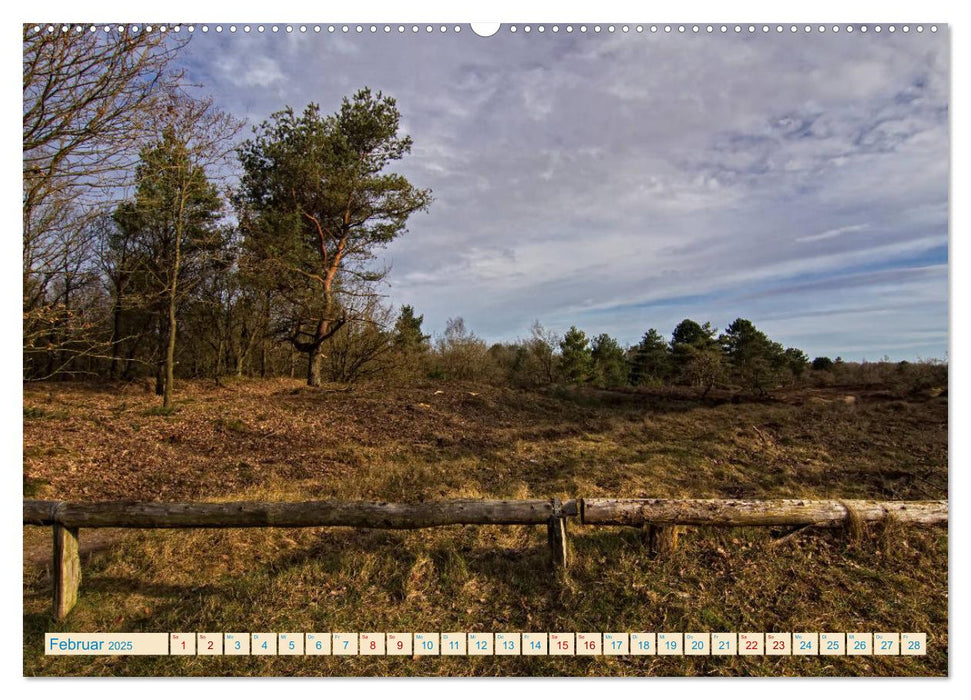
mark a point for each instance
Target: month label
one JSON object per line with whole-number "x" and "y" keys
{"x": 97, "y": 644}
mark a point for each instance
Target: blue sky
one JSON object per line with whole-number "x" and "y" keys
{"x": 625, "y": 181}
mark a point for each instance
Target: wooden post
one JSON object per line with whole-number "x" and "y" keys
{"x": 556, "y": 535}
{"x": 661, "y": 540}
{"x": 67, "y": 570}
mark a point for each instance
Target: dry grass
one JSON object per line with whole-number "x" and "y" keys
{"x": 276, "y": 440}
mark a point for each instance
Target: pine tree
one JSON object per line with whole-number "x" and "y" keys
{"x": 576, "y": 360}
{"x": 610, "y": 367}
{"x": 652, "y": 360}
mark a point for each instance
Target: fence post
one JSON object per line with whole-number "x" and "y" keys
{"x": 556, "y": 535}
{"x": 661, "y": 539}
{"x": 67, "y": 570}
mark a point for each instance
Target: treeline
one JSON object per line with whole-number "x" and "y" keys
{"x": 742, "y": 358}
{"x": 695, "y": 355}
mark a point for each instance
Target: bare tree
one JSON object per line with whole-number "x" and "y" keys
{"x": 87, "y": 98}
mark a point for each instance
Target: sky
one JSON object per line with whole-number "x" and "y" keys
{"x": 620, "y": 182}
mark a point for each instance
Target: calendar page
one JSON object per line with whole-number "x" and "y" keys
{"x": 612, "y": 349}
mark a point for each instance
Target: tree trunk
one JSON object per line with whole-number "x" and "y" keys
{"x": 219, "y": 359}
{"x": 173, "y": 291}
{"x": 115, "y": 336}
{"x": 170, "y": 353}
{"x": 314, "y": 358}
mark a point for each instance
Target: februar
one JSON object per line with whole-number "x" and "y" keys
{"x": 72, "y": 645}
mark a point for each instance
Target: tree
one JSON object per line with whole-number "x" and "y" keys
{"x": 610, "y": 366}
{"x": 797, "y": 361}
{"x": 652, "y": 360}
{"x": 177, "y": 208}
{"x": 361, "y": 350}
{"x": 689, "y": 332}
{"x": 576, "y": 359}
{"x": 87, "y": 98}
{"x": 461, "y": 351}
{"x": 315, "y": 201}
{"x": 696, "y": 354}
{"x": 541, "y": 348}
{"x": 755, "y": 360}
{"x": 822, "y": 364}
{"x": 408, "y": 338}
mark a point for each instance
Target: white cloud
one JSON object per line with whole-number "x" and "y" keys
{"x": 627, "y": 180}
{"x": 833, "y": 233}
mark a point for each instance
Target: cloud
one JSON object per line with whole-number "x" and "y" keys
{"x": 833, "y": 233}
{"x": 625, "y": 181}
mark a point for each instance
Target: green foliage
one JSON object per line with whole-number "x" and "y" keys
{"x": 695, "y": 354}
{"x": 689, "y": 332}
{"x": 576, "y": 360}
{"x": 314, "y": 190}
{"x": 755, "y": 360}
{"x": 175, "y": 210}
{"x": 610, "y": 367}
{"x": 797, "y": 361}
{"x": 651, "y": 363}
{"x": 822, "y": 364}
{"x": 408, "y": 338}
{"x": 315, "y": 201}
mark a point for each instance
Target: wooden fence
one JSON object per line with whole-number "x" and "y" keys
{"x": 660, "y": 518}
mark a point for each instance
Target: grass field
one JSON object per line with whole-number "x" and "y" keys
{"x": 276, "y": 440}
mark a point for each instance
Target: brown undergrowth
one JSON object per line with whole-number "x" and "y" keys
{"x": 276, "y": 440}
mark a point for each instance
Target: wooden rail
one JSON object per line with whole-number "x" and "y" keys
{"x": 728, "y": 513}
{"x": 394, "y": 516}
{"x": 662, "y": 519}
